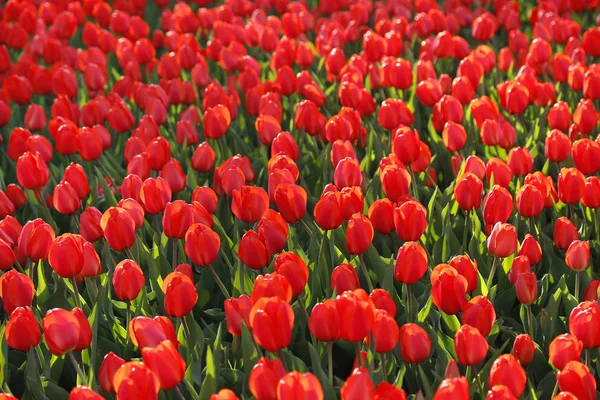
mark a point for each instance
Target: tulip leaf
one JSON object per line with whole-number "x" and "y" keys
{"x": 249, "y": 353}
{"x": 209, "y": 383}
{"x": 317, "y": 369}
{"x": 424, "y": 312}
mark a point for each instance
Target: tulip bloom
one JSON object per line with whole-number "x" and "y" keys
{"x": 530, "y": 201}
{"x": 577, "y": 379}
{"x": 273, "y": 230}
{"x": 272, "y": 320}
{"x": 119, "y": 228}
{"x": 571, "y": 185}
{"x": 507, "y": 371}
{"x": 264, "y": 378}
{"x": 526, "y": 287}
{"x": 358, "y": 385}
{"x": 252, "y": 251}
{"x": 531, "y": 249}
{"x": 453, "y": 389}
{"x": 578, "y": 255}
{"x": 470, "y": 345}
{"x": 565, "y": 233}
{"x": 61, "y": 331}
{"x": 328, "y": 211}
{"x": 479, "y": 312}
{"x": 415, "y": 344}
{"x": 249, "y": 203}
{"x": 236, "y": 311}
{"x": 356, "y": 315}
{"x": 89, "y": 224}
{"x": 448, "y": 289}
{"x": 294, "y": 269}
{"x": 410, "y": 220}
{"x": 166, "y": 363}
{"x": 32, "y": 171}
{"x": 583, "y": 323}
{"x": 66, "y": 255}
{"x": 523, "y": 349}
{"x": 155, "y": 194}
{"x": 343, "y": 278}
{"x": 297, "y": 385}
{"x": 127, "y": 280}
{"x": 110, "y": 364}
{"x": 467, "y": 192}
{"x": 16, "y": 290}
{"x": 202, "y": 244}
{"x": 22, "y": 329}
{"x": 381, "y": 214}
{"x": 35, "y": 239}
{"x": 324, "y": 321}
{"x": 149, "y": 332}
{"x": 135, "y": 380}
{"x": 271, "y": 285}
{"x": 291, "y": 202}
{"x": 385, "y": 332}
{"x": 65, "y": 199}
{"x": 359, "y": 234}
{"x": 563, "y": 349}
{"x": 502, "y": 242}
{"x": 411, "y": 263}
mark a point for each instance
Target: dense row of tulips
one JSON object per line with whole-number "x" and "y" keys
{"x": 288, "y": 200}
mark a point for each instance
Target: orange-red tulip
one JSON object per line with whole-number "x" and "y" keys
{"x": 135, "y": 380}
{"x": 22, "y": 329}
{"x": 272, "y": 320}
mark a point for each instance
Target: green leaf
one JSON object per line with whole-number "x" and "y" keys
{"x": 424, "y": 313}
{"x": 209, "y": 383}
{"x": 320, "y": 373}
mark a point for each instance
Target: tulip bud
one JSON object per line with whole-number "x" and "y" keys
{"x": 583, "y": 321}
{"x": 578, "y": 255}
{"x": 135, "y": 380}
{"x": 66, "y": 255}
{"x": 479, "y": 312}
{"x": 564, "y": 348}
{"x": 166, "y": 363}
{"x": 507, "y": 371}
{"x": 35, "y": 239}
{"x": 523, "y": 349}
{"x": 358, "y": 385}
{"x": 110, "y": 364}
{"x": 264, "y": 378}
{"x": 415, "y": 344}
{"x": 266, "y": 314}
{"x": 236, "y": 311}
{"x": 202, "y": 244}
{"x": 448, "y": 289}
{"x": 411, "y": 263}
{"x": 359, "y": 234}
{"x": 564, "y": 233}
{"x": 22, "y": 329}
{"x": 467, "y": 192}
{"x": 577, "y": 379}
{"x": 119, "y": 228}
{"x": 502, "y": 241}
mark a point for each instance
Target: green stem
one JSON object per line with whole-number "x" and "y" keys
{"x": 530, "y": 320}
{"x": 415, "y": 188}
{"x": 588, "y": 357}
{"x": 492, "y": 273}
{"x": 282, "y": 359}
{"x": 76, "y": 294}
{"x": 409, "y": 301}
{"x": 465, "y": 231}
{"x": 330, "y": 362}
{"x": 218, "y": 281}
{"x": 175, "y": 248}
{"x": 179, "y": 394}
{"x": 76, "y": 366}
{"x": 383, "y": 367}
{"x": 577, "y": 277}
{"x": 128, "y": 314}
{"x": 357, "y": 349}
{"x": 363, "y": 267}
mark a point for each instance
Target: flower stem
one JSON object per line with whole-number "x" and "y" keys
{"x": 218, "y": 281}
{"x": 76, "y": 366}
{"x": 363, "y": 266}
{"x": 577, "y": 277}
{"x": 530, "y": 320}
{"x": 490, "y": 279}
{"x": 76, "y": 294}
{"x": 282, "y": 359}
{"x": 357, "y": 348}
{"x": 330, "y": 362}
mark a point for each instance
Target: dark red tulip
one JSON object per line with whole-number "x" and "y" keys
{"x": 16, "y": 196}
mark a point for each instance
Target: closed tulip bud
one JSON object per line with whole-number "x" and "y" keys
{"x": 249, "y": 203}
{"x": 89, "y": 224}
{"x": 385, "y": 332}
{"x": 467, "y": 192}
{"x": 395, "y": 182}
{"x": 65, "y": 198}
{"x": 297, "y": 385}
{"x": 381, "y": 214}
{"x": 202, "y": 244}
{"x": 359, "y": 234}
{"x": 291, "y": 202}
{"x": 264, "y": 378}
{"x": 571, "y": 185}
{"x": 110, "y": 364}
{"x": 358, "y": 386}
{"x": 236, "y": 311}
{"x": 578, "y": 255}
{"x": 531, "y": 249}
{"x": 591, "y": 192}
{"x": 454, "y": 136}
{"x": 406, "y": 144}
{"x": 586, "y": 116}
{"x": 149, "y": 332}
{"x": 411, "y": 263}
{"x": 507, "y": 371}
{"x": 273, "y": 230}
{"x": 85, "y": 330}
{"x": 16, "y": 290}
{"x": 479, "y": 312}
{"x": 119, "y": 228}
{"x": 130, "y": 187}
{"x": 577, "y": 379}
{"x": 448, "y": 289}
{"x": 557, "y": 147}
{"x": 166, "y": 363}
{"x": 584, "y": 321}
{"x": 343, "y": 278}
{"x": 76, "y": 177}
{"x": 174, "y": 175}
{"x": 356, "y": 315}
{"x": 84, "y": 393}
{"x": 10, "y": 230}
{"x": 502, "y": 241}
{"x": 253, "y": 251}
{"x": 90, "y": 144}
{"x": 284, "y": 143}
{"x": 347, "y": 173}
{"x": 519, "y": 266}
{"x": 271, "y": 285}
{"x": 352, "y": 201}
{"x": 216, "y": 121}
{"x": 591, "y": 292}
{"x": 387, "y": 391}
{"x": 520, "y": 161}
{"x": 135, "y": 380}
{"x": 155, "y": 193}
{"x": 324, "y": 321}
{"x": 585, "y": 155}
{"x": 453, "y": 389}
{"x": 22, "y": 329}
{"x": 61, "y": 331}
{"x": 206, "y": 197}
{"x": 294, "y": 269}
{"x": 559, "y": 116}
{"x": 563, "y": 349}
{"x": 7, "y": 255}
{"x": 328, "y": 211}
{"x": 523, "y": 349}
{"x": 127, "y": 280}
{"x": 66, "y": 255}
{"x": 16, "y": 196}
{"x": 272, "y": 320}
{"x": 383, "y": 301}
{"x": 530, "y": 201}
{"x": 565, "y": 233}
{"x": 526, "y": 287}
{"x": 35, "y": 239}
{"x": 497, "y": 205}
{"x": 203, "y": 159}
{"x": 135, "y": 210}
{"x": 468, "y": 269}
{"x": 415, "y": 344}
{"x": 32, "y": 171}
{"x": 410, "y": 220}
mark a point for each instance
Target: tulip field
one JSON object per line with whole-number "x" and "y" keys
{"x": 299, "y": 200}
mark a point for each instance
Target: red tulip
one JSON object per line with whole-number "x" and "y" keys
{"x": 526, "y": 287}
{"x": 166, "y": 363}
{"x": 119, "y": 228}
{"x": 272, "y": 320}
{"x": 564, "y": 233}
{"x": 203, "y": 159}
{"x": 127, "y": 280}
{"x": 584, "y": 321}
{"x": 32, "y": 172}
{"x": 530, "y": 201}
{"x": 202, "y": 244}
{"x": 76, "y": 177}
{"x": 16, "y": 290}
{"x": 343, "y": 278}
{"x": 563, "y": 349}
{"x": 135, "y": 380}
{"x": 264, "y": 378}
{"x": 249, "y": 203}
{"x": 359, "y": 234}
{"x": 155, "y": 194}
{"x": 271, "y": 285}
{"x": 110, "y": 364}
{"x": 294, "y": 269}
{"x": 358, "y": 386}
{"x": 558, "y": 146}
{"x": 291, "y": 202}
{"x": 448, "y": 289}
{"x": 467, "y": 192}
{"x": 571, "y": 185}
{"x": 385, "y": 332}
{"x": 236, "y": 311}
{"x": 479, "y": 312}
{"x": 578, "y": 255}
{"x": 324, "y": 321}
{"x": 22, "y": 329}
{"x": 357, "y": 313}
{"x": 66, "y": 255}
{"x": 381, "y": 214}
{"x": 149, "y": 332}
{"x": 347, "y": 173}
{"x": 577, "y": 379}
{"x": 328, "y": 211}
{"x": 507, "y": 371}
{"x": 523, "y": 349}
{"x": 61, "y": 331}
{"x": 295, "y": 385}
{"x": 415, "y": 344}
{"x": 502, "y": 241}
{"x": 411, "y": 263}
